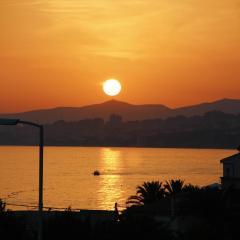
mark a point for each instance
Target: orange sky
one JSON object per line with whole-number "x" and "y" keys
{"x": 58, "y": 52}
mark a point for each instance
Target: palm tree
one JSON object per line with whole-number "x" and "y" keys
{"x": 174, "y": 187}
{"x": 147, "y": 193}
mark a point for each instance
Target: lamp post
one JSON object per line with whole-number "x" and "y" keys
{"x": 4, "y": 121}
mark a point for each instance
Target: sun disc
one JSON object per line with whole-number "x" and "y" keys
{"x": 112, "y": 87}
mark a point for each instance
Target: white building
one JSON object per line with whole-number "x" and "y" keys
{"x": 231, "y": 171}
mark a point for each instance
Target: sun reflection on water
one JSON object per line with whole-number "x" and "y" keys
{"x": 110, "y": 182}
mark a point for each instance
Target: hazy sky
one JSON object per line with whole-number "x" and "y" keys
{"x": 58, "y": 52}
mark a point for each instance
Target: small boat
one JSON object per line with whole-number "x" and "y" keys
{"x": 96, "y": 173}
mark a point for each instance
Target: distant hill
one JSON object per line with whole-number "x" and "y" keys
{"x": 224, "y": 105}
{"x": 126, "y": 110}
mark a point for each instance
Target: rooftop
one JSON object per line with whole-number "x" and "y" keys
{"x": 233, "y": 158}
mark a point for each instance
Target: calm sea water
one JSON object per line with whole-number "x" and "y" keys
{"x": 68, "y": 178}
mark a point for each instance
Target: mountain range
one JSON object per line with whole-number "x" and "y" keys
{"x": 127, "y": 111}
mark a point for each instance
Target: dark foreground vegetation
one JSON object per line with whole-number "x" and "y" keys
{"x": 170, "y": 211}
{"x": 213, "y": 130}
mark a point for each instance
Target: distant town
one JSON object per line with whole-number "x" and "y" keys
{"x": 214, "y": 129}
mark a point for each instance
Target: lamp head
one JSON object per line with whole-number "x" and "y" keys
{"x": 7, "y": 121}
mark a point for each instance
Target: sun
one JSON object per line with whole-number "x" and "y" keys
{"x": 112, "y": 87}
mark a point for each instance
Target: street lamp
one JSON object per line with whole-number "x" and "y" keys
{"x": 4, "y": 121}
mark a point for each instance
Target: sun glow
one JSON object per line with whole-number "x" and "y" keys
{"x": 112, "y": 87}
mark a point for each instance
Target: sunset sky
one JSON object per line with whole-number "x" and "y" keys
{"x": 58, "y": 52}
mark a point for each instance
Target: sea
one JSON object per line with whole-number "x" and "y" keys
{"x": 69, "y": 180}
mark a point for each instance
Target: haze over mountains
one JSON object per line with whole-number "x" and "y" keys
{"x": 127, "y": 111}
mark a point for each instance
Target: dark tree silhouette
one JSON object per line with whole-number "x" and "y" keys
{"x": 174, "y": 187}
{"x": 191, "y": 188}
{"x": 147, "y": 193}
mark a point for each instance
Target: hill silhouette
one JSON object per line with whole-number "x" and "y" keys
{"x": 224, "y": 105}
{"x": 129, "y": 112}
